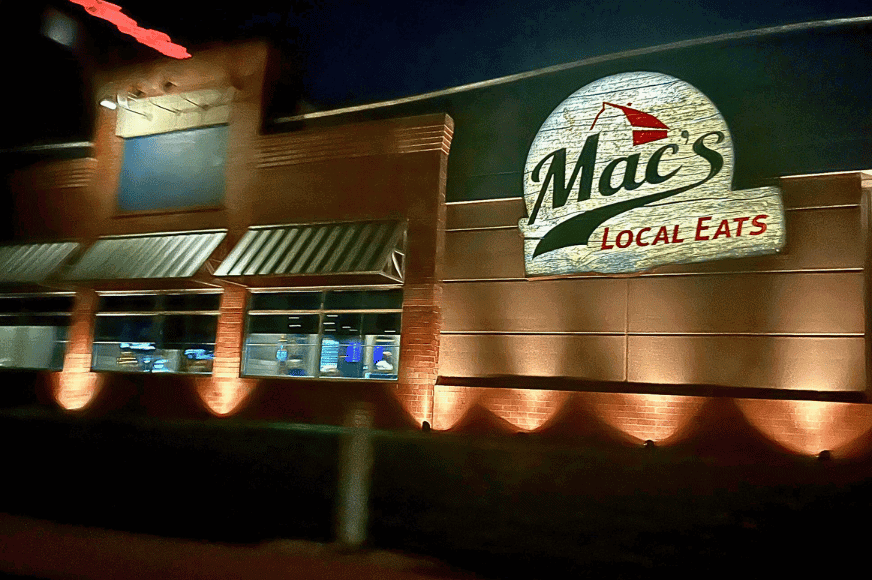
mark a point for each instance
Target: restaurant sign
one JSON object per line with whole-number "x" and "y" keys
{"x": 634, "y": 171}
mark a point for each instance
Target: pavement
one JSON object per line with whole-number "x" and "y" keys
{"x": 43, "y": 549}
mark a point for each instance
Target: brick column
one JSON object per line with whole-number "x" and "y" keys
{"x": 419, "y": 349}
{"x": 224, "y": 391}
{"x": 76, "y": 386}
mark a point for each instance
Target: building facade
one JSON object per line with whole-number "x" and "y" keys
{"x": 204, "y": 261}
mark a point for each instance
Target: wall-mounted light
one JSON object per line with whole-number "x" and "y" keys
{"x": 108, "y": 102}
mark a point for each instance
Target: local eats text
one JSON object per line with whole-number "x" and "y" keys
{"x": 705, "y": 230}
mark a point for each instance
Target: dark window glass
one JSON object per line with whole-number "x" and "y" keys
{"x": 192, "y": 302}
{"x": 342, "y": 324}
{"x": 387, "y": 323}
{"x": 48, "y": 304}
{"x": 125, "y": 329}
{"x": 283, "y": 324}
{"x": 362, "y": 300}
{"x": 34, "y": 320}
{"x": 11, "y": 305}
{"x": 36, "y": 304}
{"x": 129, "y": 303}
{"x": 186, "y": 329}
{"x": 286, "y": 301}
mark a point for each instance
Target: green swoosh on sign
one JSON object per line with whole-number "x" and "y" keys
{"x": 576, "y": 231}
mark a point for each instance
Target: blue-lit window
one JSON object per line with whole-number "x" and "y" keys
{"x": 181, "y": 169}
{"x": 334, "y": 334}
{"x": 156, "y": 333}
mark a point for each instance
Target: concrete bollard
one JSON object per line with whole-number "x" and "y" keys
{"x": 355, "y": 470}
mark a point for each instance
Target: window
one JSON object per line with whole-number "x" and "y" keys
{"x": 333, "y": 334}
{"x": 181, "y": 169}
{"x": 156, "y": 333}
{"x": 33, "y": 330}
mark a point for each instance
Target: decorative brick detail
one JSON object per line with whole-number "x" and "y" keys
{"x": 361, "y": 140}
{"x": 66, "y": 174}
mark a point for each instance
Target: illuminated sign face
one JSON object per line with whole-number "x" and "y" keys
{"x": 634, "y": 171}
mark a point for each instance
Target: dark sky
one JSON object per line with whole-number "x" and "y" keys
{"x": 341, "y": 53}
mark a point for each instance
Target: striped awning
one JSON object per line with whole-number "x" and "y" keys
{"x": 32, "y": 263}
{"x": 371, "y": 247}
{"x": 172, "y": 255}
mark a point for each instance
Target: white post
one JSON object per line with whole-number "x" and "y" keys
{"x": 355, "y": 468}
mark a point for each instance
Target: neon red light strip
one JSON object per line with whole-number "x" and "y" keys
{"x": 151, "y": 38}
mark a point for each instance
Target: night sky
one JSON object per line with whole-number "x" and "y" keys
{"x": 342, "y": 53}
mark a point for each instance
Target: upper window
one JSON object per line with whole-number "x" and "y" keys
{"x": 156, "y": 333}
{"x": 333, "y": 334}
{"x": 33, "y": 330}
{"x": 182, "y": 169}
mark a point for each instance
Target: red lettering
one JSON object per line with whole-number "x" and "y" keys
{"x": 629, "y": 239}
{"x": 662, "y": 236}
{"x": 723, "y": 230}
{"x": 675, "y": 238}
{"x": 606, "y": 245}
{"x": 740, "y": 221}
{"x": 701, "y": 228}
{"x": 759, "y": 224}
{"x": 639, "y": 241}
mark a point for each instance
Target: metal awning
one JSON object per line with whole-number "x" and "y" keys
{"x": 371, "y": 247}
{"x": 32, "y": 263}
{"x": 170, "y": 255}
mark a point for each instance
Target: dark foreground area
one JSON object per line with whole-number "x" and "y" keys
{"x": 501, "y": 507}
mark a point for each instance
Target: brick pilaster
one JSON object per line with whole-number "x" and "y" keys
{"x": 419, "y": 349}
{"x": 224, "y": 391}
{"x": 76, "y": 386}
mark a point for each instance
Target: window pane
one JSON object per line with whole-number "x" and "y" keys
{"x": 48, "y": 304}
{"x": 387, "y": 323}
{"x": 335, "y": 343}
{"x": 286, "y": 301}
{"x": 344, "y": 324}
{"x": 173, "y": 170}
{"x": 126, "y": 329}
{"x": 271, "y": 354}
{"x": 36, "y": 304}
{"x": 284, "y": 324}
{"x": 11, "y": 305}
{"x": 199, "y": 302}
{"x": 32, "y": 347}
{"x": 189, "y": 329}
{"x": 135, "y": 303}
{"x": 364, "y": 300}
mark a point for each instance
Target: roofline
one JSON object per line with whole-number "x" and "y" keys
{"x": 706, "y": 40}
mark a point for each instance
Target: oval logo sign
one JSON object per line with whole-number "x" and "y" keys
{"x": 634, "y": 171}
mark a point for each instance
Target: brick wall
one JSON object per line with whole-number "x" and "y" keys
{"x": 701, "y": 423}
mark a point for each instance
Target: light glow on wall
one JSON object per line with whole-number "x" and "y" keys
{"x": 526, "y": 409}
{"x": 75, "y": 389}
{"x": 658, "y": 418}
{"x": 809, "y": 427}
{"x": 224, "y": 395}
{"x": 450, "y": 404}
